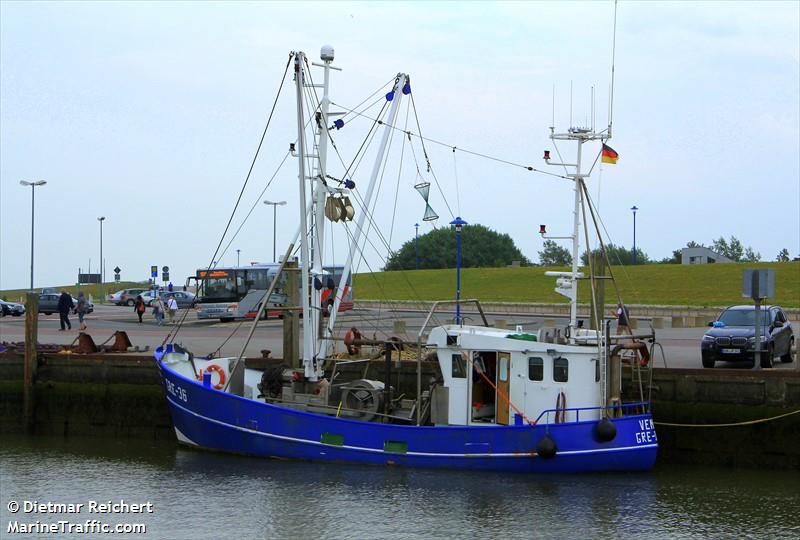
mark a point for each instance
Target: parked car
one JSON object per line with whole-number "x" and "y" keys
{"x": 125, "y": 297}
{"x": 48, "y": 304}
{"x": 732, "y": 336}
{"x": 185, "y": 299}
{"x": 11, "y": 308}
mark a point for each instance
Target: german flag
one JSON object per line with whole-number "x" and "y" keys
{"x": 609, "y": 155}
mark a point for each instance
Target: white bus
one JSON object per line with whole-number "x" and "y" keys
{"x": 234, "y": 292}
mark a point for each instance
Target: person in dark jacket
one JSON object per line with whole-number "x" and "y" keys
{"x": 139, "y": 307}
{"x": 64, "y": 307}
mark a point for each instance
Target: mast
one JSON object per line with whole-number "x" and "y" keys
{"x": 308, "y": 329}
{"x": 401, "y": 87}
{"x": 569, "y": 287}
{"x": 317, "y": 240}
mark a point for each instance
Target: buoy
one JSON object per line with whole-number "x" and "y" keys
{"x": 605, "y": 430}
{"x": 546, "y": 447}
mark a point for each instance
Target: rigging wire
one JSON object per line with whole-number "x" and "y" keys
{"x": 427, "y": 159}
{"x": 255, "y": 204}
{"x": 397, "y": 185}
{"x": 471, "y": 152}
{"x": 174, "y": 331}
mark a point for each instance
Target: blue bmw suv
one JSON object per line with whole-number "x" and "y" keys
{"x": 732, "y": 336}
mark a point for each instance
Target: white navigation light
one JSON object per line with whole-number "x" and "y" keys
{"x": 326, "y": 53}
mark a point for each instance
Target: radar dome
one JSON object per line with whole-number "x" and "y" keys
{"x": 326, "y": 53}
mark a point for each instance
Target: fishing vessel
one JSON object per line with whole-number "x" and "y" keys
{"x": 484, "y": 398}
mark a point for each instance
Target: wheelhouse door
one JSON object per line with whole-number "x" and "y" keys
{"x": 503, "y": 378}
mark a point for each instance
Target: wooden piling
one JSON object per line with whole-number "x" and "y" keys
{"x": 31, "y": 359}
{"x": 291, "y": 318}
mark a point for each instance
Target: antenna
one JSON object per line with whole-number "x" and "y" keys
{"x": 592, "y": 108}
{"x": 570, "y": 104}
{"x": 553, "y": 123}
{"x": 613, "y": 59}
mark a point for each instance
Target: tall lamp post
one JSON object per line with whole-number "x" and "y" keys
{"x": 101, "y": 219}
{"x": 274, "y": 222}
{"x": 459, "y": 223}
{"x": 237, "y": 256}
{"x": 33, "y": 187}
{"x": 634, "y": 209}
{"x": 416, "y": 242}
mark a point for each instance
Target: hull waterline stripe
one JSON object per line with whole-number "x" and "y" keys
{"x": 409, "y": 453}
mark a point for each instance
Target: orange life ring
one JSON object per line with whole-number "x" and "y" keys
{"x": 219, "y": 370}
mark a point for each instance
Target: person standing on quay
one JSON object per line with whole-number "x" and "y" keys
{"x": 64, "y": 306}
{"x": 82, "y": 309}
{"x": 172, "y": 307}
{"x": 139, "y": 307}
{"x": 158, "y": 310}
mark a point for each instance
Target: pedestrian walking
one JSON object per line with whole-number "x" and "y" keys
{"x": 64, "y": 306}
{"x": 172, "y": 308}
{"x": 169, "y": 287}
{"x": 623, "y": 318}
{"x": 82, "y": 309}
{"x": 139, "y": 307}
{"x": 158, "y": 310}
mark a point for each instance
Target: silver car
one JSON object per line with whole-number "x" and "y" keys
{"x": 11, "y": 308}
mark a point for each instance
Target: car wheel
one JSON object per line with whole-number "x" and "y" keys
{"x": 767, "y": 357}
{"x": 226, "y": 319}
{"x": 130, "y": 302}
{"x": 786, "y": 358}
{"x": 708, "y": 362}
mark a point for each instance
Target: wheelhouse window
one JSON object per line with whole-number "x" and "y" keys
{"x": 459, "y": 369}
{"x": 536, "y": 368}
{"x": 560, "y": 369}
{"x": 503, "y": 370}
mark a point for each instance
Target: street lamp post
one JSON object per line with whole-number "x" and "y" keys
{"x": 459, "y": 223}
{"x": 634, "y": 209}
{"x": 101, "y": 219}
{"x": 274, "y": 222}
{"x": 237, "y": 256}
{"x": 416, "y": 242}
{"x": 33, "y": 187}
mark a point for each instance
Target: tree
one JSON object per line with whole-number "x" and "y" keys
{"x": 783, "y": 256}
{"x": 750, "y": 255}
{"x": 480, "y": 247}
{"x": 732, "y": 250}
{"x": 619, "y": 255}
{"x": 554, "y": 255}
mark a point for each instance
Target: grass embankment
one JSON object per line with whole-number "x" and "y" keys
{"x": 652, "y": 284}
{"x": 94, "y": 290}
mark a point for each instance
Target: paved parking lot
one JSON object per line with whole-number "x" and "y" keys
{"x": 681, "y": 345}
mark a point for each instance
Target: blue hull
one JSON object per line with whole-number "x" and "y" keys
{"x": 215, "y": 420}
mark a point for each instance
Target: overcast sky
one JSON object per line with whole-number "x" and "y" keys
{"x": 149, "y": 114}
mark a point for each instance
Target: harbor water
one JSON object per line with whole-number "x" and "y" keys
{"x": 195, "y": 495}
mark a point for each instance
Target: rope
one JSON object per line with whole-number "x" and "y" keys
{"x": 745, "y": 423}
{"x": 497, "y": 390}
{"x": 173, "y": 333}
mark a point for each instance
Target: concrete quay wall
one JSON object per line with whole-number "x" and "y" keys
{"x": 659, "y": 316}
